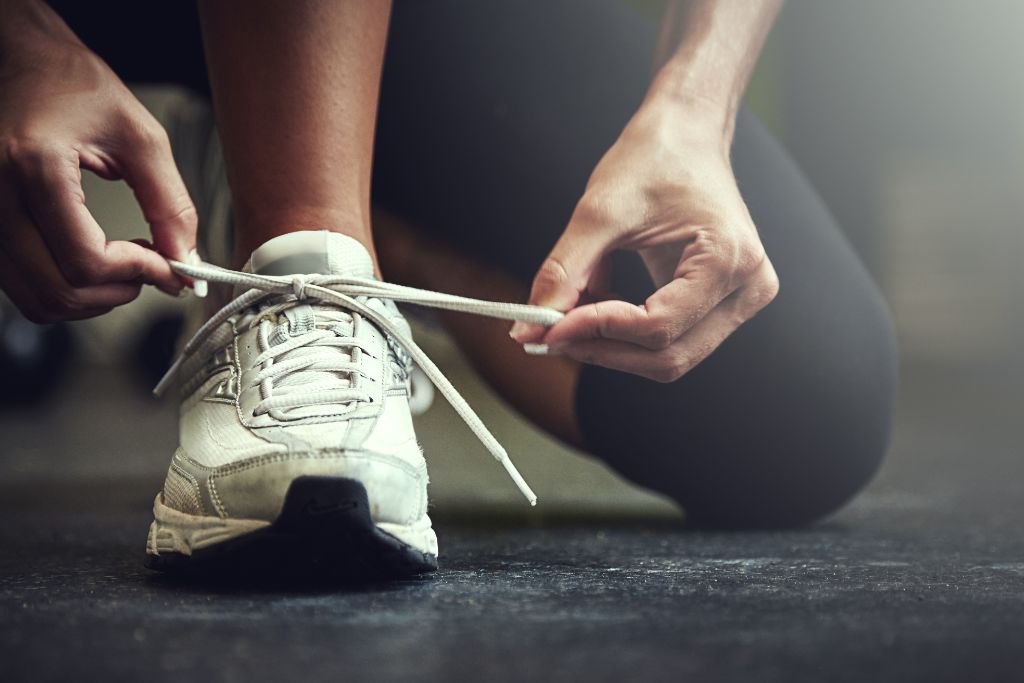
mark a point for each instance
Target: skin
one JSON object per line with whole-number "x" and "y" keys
{"x": 62, "y": 110}
{"x": 296, "y": 102}
{"x": 666, "y": 189}
{"x": 295, "y": 89}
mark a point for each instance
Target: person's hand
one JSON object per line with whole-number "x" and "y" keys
{"x": 666, "y": 190}
{"x": 61, "y": 110}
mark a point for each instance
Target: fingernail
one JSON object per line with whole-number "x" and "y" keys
{"x": 536, "y": 349}
{"x": 200, "y": 287}
{"x": 517, "y": 330}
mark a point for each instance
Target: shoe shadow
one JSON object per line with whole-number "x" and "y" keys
{"x": 507, "y": 518}
{"x": 280, "y": 583}
{"x": 92, "y": 528}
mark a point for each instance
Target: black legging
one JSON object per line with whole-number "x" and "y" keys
{"x": 492, "y": 116}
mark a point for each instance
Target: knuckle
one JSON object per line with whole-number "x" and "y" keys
{"x": 184, "y": 213}
{"x": 717, "y": 253}
{"x": 27, "y": 155}
{"x": 730, "y": 256}
{"x": 659, "y": 337}
{"x": 551, "y": 275}
{"x": 602, "y": 206}
{"x": 672, "y": 367}
{"x": 61, "y": 302}
{"x": 762, "y": 293}
{"x": 146, "y": 132}
{"x": 658, "y": 325}
{"x": 769, "y": 289}
{"x": 591, "y": 211}
{"x": 748, "y": 258}
{"x": 65, "y": 300}
{"x": 180, "y": 215}
{"x": 81, "y": 272}
{"x": 666, "y": 374}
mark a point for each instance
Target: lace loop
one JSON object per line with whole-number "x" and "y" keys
{"x": 344, "y": 292}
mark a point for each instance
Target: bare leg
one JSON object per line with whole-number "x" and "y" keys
{"x": 295, "y": 89}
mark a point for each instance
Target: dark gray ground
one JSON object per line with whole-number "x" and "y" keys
{"x": 921, "y": 579}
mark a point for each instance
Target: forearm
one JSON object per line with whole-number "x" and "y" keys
{"x": 295, "y": 90}
{"x": 25, "y": 22}
{"x": 706, "y": 52}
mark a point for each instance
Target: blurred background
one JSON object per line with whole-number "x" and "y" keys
{"x": 907, "y": 116}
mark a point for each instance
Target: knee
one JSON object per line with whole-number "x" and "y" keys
{"x": 787, "y": 443}
{"x": 794, "y": 478}
{"x": 809, "y": 452}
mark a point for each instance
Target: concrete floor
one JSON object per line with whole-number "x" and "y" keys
{"x": 922, "y": 578}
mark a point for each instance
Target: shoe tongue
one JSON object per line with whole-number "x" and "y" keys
{"x": 311, "y": 252}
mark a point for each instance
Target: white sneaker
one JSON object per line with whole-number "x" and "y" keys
{"x": 297, "y": 442}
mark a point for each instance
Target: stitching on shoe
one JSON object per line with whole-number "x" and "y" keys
{"x": 272, "y": 458}
{"x": 259, "y": 461}
{"x": 238, "y": 368}
{"x": 223, "y": 445}
{"x": 215, "y": 497}
{"x": 192, "y": 480}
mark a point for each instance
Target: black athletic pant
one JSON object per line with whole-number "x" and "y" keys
{"x": 493, "y": 115}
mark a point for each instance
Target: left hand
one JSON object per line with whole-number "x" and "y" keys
{"x": 665, "y": 189}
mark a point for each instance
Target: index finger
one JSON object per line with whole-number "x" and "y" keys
{"x": 664, "y": 317}
{"x": 52, "y": 189}
{"x": 150, "y": 170}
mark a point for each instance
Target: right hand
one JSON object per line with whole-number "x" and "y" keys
{"x": 61, "y": 110}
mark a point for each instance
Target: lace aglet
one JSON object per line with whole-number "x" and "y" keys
{"x": 161, "y": 388}
{"x": 520, "y": 483}
{"x": 530, "y": 496}
{"x": 165, "y": 382}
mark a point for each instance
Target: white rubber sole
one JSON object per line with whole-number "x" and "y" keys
{"x": 173, "y": 531}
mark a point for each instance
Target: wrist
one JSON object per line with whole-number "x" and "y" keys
{"x": 683, "y": 94}
{"x": 706, "y": 52}
{"x": 685, "y": 121}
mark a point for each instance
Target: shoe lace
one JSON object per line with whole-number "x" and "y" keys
{"x": 311, "y": 374}
{"x": 317, "y": 366}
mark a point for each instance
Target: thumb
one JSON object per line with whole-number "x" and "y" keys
{"x": 148, "y": 167}
{"x": 562, "y": 278}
